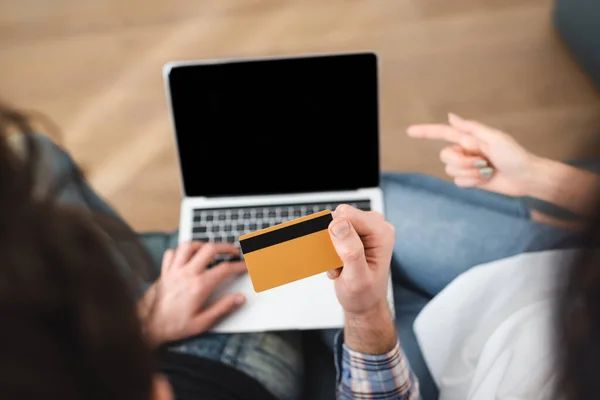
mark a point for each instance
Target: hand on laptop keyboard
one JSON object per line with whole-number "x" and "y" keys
{"x": 227, "y": 225}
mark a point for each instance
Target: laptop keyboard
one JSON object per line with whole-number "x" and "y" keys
{"x": 227, "y": 225}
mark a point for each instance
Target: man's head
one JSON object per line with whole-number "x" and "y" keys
{"x": 68, "y": 322}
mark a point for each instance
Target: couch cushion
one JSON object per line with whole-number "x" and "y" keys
{"x": 578, "y": 23}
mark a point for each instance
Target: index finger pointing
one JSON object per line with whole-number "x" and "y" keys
{"x": 435, "y": 132}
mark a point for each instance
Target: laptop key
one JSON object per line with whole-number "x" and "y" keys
{"x": 199, "y": 229}
{"x": 227, "y": 228}
{"x": 215, "y": 228}
{"x": 240, "y": 227}
{"x": 363, "y": 205}
{"x": 219, "y": 259}
{"x": 230, "y": 239}
{"x": 209, "y": 217}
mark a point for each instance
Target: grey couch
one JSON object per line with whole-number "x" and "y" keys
{"x": 578, "y": 24}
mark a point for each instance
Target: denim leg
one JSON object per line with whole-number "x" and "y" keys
{"x": 156, "y": 243}
{"x": 272, "y": 358}
{"x": 443, "y": 230}
{"x": 57, "y": 170}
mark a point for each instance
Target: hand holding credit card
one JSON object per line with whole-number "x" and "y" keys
{"x": 290, "y": 251}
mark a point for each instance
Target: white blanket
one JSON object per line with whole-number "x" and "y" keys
{"x": 489, "y": 334}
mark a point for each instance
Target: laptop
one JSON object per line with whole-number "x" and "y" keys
{"x": 261, "y": 141}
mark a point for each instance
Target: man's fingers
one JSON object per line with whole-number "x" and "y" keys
{"x": 208, "y": 252}
{"x": 435, "y": 132}
{"x": 221, "y": 272}
{"x": 184, "y": 252}
{"x": 349, "y": 247}
{"x": 457, "y": 157}
{"x": 219, "y": 309}
{"x": 167, "y": 260}
{"x": 334, "y": 273}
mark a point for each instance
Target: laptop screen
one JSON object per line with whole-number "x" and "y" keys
{"x": 291, "y": 125}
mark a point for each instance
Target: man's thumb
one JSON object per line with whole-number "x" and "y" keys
{"x": 349, "y": 247}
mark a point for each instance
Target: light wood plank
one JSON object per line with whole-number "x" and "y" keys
{"x": 95, "y": 69}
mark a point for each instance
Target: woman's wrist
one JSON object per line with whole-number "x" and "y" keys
{"x": 540, "y": 177}
{"x": 563, "y": 185}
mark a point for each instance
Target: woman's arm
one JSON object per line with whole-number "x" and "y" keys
{"x": 563, "y": 185}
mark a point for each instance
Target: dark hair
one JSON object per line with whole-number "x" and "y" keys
{"x": 69, "y": 327}
{"x": 578, "y": 338}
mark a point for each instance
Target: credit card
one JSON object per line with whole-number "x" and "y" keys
{"x": 289, "y": 251}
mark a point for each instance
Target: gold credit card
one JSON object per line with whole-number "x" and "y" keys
{"x": 290, "y": 251}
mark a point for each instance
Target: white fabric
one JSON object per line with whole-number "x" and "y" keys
{"x": 489, "y": 334}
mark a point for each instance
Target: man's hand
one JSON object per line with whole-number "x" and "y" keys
{"x": 482, "y": 157}
{"x": 173, "y": 307}
{"x": 364, "y": 241}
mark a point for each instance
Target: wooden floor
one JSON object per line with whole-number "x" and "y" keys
{"x": 94, "y": 67}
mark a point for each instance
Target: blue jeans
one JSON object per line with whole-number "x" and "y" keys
{"x": 441, "y": 231}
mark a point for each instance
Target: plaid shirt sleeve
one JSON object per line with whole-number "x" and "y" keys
{"x": 382, "y": 377}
